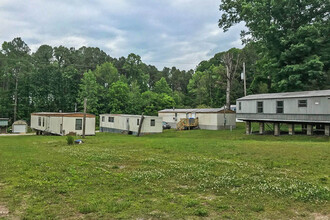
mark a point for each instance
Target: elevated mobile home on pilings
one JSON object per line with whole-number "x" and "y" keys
{"x": 58, "y": 123}
{"x": 309, "y": 109}
{"x": 129, "y": 124}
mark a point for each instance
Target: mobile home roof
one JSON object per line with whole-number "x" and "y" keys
{"x": 63, "y": 114}
{"x": 285, "y": 95}
{"x": 196, "y": 110}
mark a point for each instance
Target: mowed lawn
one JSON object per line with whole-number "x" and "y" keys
{"x": 175, "y": 175}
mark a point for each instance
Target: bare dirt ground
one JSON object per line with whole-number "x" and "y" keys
{"x": 4, "y": 211}
{"x": 16, "y": 134}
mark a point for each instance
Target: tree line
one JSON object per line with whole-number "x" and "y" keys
{"x": 286, "y": 48}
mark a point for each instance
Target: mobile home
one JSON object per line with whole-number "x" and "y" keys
{"x": 208, "y": 118}
{"x": 310, "y": 109}
{"x": 120, "y": 123}
{"x": 62, "y": 123}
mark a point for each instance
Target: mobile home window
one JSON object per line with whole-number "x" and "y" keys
{"x": 137, "y": 121}
{"x": 43, "y": 122}
{"x": 39, "y": 121}
{"x": 102, "y": 118}
{"x": 78, "y": 124}
{"x": 111, "y": 119}
{"x": 152, "y": 122}
{"x": 240, "y": 106}
{"x": 260, "y": 107}
{"x": 302, "y": 103}
{"x": 279, "y": 106}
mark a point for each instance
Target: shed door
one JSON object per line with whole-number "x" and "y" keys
{"x": 19, "y": 128}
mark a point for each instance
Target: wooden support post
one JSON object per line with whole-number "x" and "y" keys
{"x": 309, "y": 129}
{"x": 140, "y": 125}
{"x": 277, "y": 129}
{"x": 291, "y": 129}
{"x": 261, "y": 128}
{"x": 84, "y": 121}
{"x": 327, "y": 130}
{"x": 248, "y": 127}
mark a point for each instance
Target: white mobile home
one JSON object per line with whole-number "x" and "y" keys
{"x": 120, "y": 123}
{"x": 308, "y": 108}
{"x": 62, "y": 123}
{"x": 208, "y": 118}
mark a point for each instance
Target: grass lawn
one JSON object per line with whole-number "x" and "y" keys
{"x": 175, "y": 175}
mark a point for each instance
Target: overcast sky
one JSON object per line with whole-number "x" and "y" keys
{"x": 169, "y": 33}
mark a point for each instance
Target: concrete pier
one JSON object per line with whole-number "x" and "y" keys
{"x": 261, "y": 128}
{"x": 277, "y": 129}
{"x": 304, "y": 128}
{"x": 291, "y": 129}
{"x": 309, "y": 129}
{"x": 248, "y": 127}
{"x": 327, "y": 130}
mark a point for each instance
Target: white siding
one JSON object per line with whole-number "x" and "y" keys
{"x": 209, "y": 121}
{"x": 52, "y": 124}
{"x": 120, "y": 123}
{"x": 290, "y": 106}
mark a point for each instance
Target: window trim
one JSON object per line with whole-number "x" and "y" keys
{"x": 152, "y": 122}
{"x": 262, "y": 107}
{"x": 81, "y": 124}
{"x": 103, "y": 118}
{"x": 277, "y": 107}
{"x": 239, "y": 106}
{"x": 138, "y": 122}
{"x": 111, "y": 119}
{"x": 39, "y": 121}
{"x": 299, "y": 104}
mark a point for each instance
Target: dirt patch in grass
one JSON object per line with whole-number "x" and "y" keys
{"x": 4, "y": 211}
{"x": 320, "y": 216}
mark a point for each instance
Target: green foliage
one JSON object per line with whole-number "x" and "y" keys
{"x": 118, "y": 97}
{"x": 152, "y": 102}
{"x": 89, "y": 89}
{"x": 201, "y": 212}
{"x": 69, "y": 140}
{"x": 161, "y": 86}
{"x": 292, "y": 38}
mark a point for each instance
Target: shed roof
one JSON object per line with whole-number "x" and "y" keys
{"x": 63, "y": 114}
{"x": 285, "y": 95}
{"x": 20, "y": 122}
{"x": 196, "y": 110}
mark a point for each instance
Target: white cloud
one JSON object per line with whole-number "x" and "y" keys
{"x": 177, "y": 33}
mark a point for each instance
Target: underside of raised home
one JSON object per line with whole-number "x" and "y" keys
{"x": 305, "y": 112}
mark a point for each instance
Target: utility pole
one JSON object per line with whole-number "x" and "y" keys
{"x": 15, "y": 104}
{"x": 140, "y": 125}
{"x": 224, "y": 117}
{"x": 16, "y": 90}
{"x": 244, "y": 76}
{"x": 84, "y": 121}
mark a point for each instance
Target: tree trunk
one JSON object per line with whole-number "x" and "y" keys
{"x": 15, "y": 104}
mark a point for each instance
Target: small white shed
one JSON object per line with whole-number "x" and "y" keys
{"x": 59, "y": 123}
{"x": 19, "y": 126}
{"x": 120, "y": 123}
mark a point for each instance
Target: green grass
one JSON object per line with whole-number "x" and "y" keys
{"x": 188, "y": 174}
